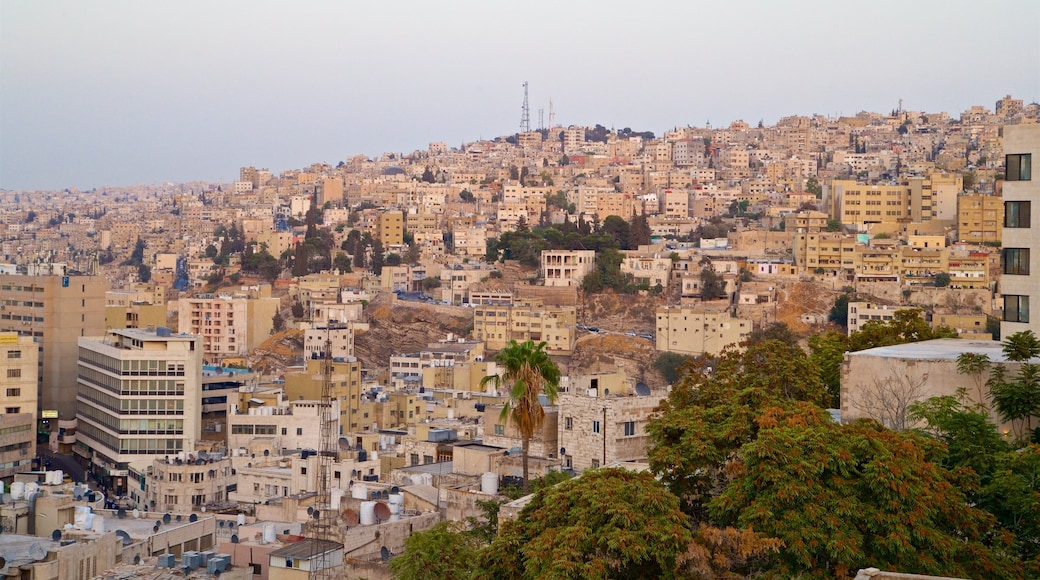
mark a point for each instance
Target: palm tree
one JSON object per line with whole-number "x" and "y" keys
{"x": 529, "y": 372}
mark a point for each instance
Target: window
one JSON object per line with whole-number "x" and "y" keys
{"x": 500, "y": 430}
{"x": 595, "y": 426}
{"x": 1016, "y": 214}
{"x": 14, "y": 373}
{"x": 14, "y": 354}
{"x": 285, "y": 431}
{"x": 1019, "y": 167}
{"x": 13, "y": 410}
{"x": 14, "y": 392}
{"x": 630, "y": 428}
{"x": 595, "y": 463}
{"x": 414, "y": 458}
{"x": 303, "y": 471}
{"x": 1016, "y": 308}
{"x": 299, "y": 431}
{"x": 1016, "y": 261}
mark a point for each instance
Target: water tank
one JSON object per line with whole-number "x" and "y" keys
{"x": 359, "y": 491}
{"x": 99, "y": 524}
{"x": 489, "y": 483}
{"x": 269, "y": 534}
{"x": 59, "y": 476}
{"x": 334, "y": 497}
{"x": 18, "y": 490}
{"x": 1, "y": 487}
{"x": 31, "y": 488}
{"x": 241, "y": 519}
{"x": 368, "y": 513}
{"x": 396, "y": 501}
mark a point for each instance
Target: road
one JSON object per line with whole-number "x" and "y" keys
{"x": 66, "y": 463}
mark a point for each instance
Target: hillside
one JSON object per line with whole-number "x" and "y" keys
{"x": 397, "y": 326}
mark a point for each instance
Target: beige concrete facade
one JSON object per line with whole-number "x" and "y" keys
{"x": 18, "y": 413}
{"x": 693, "y": 331}
{"x": 598, "y": 429}
{"x": 567, "y": 267}
{"x": 1021, "y": 286}
{"x": 229, "y": 324}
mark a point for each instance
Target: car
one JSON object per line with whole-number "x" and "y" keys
{"x": 647, "y": 336}
{"x": 582, "y": 327}
{"x": 630, "y": 333}
{"x": 592, "y": 329}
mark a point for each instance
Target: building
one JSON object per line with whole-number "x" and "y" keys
{"x": 18, "y": 368}
{"x": 694, "y": 331}
{"x": 187, "y": 482}
{"x": 1020, "y": 280}
{"x": 524, "y": 320}
{"x": 390, "y": 228}
{"x": 55, "y": 310}
{"x": 340, "y": 337}
{"x": 139, "y": 397}
{"x": 229, "y": 324}
{"x": 567, "y": 267}
{"x": 860, "y": 313}
{"x": 980, "y": 218}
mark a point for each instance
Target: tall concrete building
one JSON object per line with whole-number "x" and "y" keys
{"x": 139, "y": 397}
{"x": 18, "y": 357}
{"x": 230, "y": 324}
{"x": 1020, "y": 279}
{"x": 54, "y": 310}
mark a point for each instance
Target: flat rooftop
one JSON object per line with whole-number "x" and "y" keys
{"x": 937, "y": 350}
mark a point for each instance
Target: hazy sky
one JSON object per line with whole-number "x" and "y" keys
{"x": 126, "y": 92}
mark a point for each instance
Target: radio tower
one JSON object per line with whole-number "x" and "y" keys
{"x": 525, "y": 114}
{"x": 324, "y": 519}
{"x": 552, "y": 115}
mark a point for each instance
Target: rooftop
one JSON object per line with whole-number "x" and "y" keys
{"x": 306, "y": 548}
{"x": 938, "y": 349}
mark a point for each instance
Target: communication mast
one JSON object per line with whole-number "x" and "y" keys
{"x": 525, "y": 114}
{"x": 324, "y": 518}
{"x": 552, "y": 115}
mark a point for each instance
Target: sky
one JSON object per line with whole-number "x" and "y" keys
{"x": 119, "y": 93}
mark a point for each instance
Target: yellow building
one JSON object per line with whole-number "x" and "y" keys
{"x": 524, "y": 320}
{"x": 345, "y": 387}
{"x": 980, "y": 218}
{"x": 390, "y": 228}
{"x": 18, "y": 360}
{"x": 694, "y": 331}
{"x": 861, "y": 204}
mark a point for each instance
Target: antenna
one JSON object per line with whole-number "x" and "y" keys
{"x": 541, "y": 119}
{"x": 525, "y": 113}
{"x": 323, "y": 514}
{"x": 552, "y": 115}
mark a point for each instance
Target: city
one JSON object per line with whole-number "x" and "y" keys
{"x": 293, "y": 375}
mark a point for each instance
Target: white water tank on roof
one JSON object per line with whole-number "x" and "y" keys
{"x": 489, "y": 483}
{"x": 368, "y": 513}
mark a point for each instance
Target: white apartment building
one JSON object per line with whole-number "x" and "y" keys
{"x": 139, "y": 397}
{"x": 861, "y": 313}
{"x": 340, "y": 337}
{"x": 1020, "y": 279}
{"x": 229, "y": 324}
{"x": 290, "y": 425}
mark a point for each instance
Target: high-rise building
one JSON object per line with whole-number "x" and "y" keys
{"x": 55, "y": 310}
{"x": 230, "y": 324}
{"x": 139, "y": 397}
{"x": 1020, "y": 279}
{"x": 18, "y": 357}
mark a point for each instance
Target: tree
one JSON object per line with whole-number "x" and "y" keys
{"x": 443, "y": 551}
{"x": 277, "y": 322}
{"x": 907, "y": 325}
{"x": 466, "y": 196}
{"x": 812, "y": 185}
{"x": 617, "y": 228}
{"x": 528, "y": 372}
{"x": 392, "y": 259}
{"x": 297, "y": 310}
{"x": 608, "y": 523}
{"x": 427, "y": 175}
{"x": 942, "y": 279}
{"x": 144, "y": 272}
{"x": 430, "y": 283}
{"x": 378, "y": 257}
{"x": 887, "y": 399}
{"x": 775, "y": 331}
{"x": 827, "y": 351}
{"x": 833, "y": 225}
{"x": 342, "y": 262}
{"x": 670, "y": 365}
{"x": 713, "y": 286}
{"x": 1017, "y": 399}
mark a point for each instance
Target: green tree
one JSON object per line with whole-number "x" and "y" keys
{"x": 812, "y": 185}
{"x": 828, "y": 350}
{"x": 608, "y": 523}
{"x": 775, "y": 331}
{"x": 942, "y": 279}
{"x": 297, "y": 310}
{"x": 906, "y": 326}
{"x": 713, "y": 285}
{"x": 833, "y": 225}
{"x": 466, "y": 196}
{"x": 443, "y": 551}
{"x": 670, "y": 365}
{"x": 378, "y": 257}
{"x": 342, "y": 262}
{"x": 1017, "y": 399}
{"x": 277, "y": 322}
{"x": 528, "y": 372}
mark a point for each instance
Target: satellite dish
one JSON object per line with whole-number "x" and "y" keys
{"x": 166, "y": 518}
{"x": 158, "y": 523}
{"x": 317, "y": 514}
{"x": 137, "y": 513}
{"x": 395, "y": 489}
{"x": 56, "y": 535}
{"x": 563, "y": 450}
{"x": 37, "y": 552}
{"x": 155, "y": 529}
{"x": 179, "y": 517}
{"x": 350, "y": 517}
{"x": 193, "y": 518}
{"x": 137, "y": 559}
{"x": 3, "y": 565}
{"x": 234, "y": 538}
{"x": 121, "y": 513}
{"x": 123, "y": 536}
{"x": 344, "y": 444}
{"x": 642, "y": 390}
{"x": 310, "y": 511}
{"x": 267, "y": 452}
{"x": 382, "y": 511}
{"x": 384, "y": 553}
{"x": 220, "y": 523}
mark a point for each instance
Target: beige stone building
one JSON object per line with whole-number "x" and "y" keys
{"x": 139, "y": 397}
{"x": 54, "y": 310}
{"x": 860, "y": 313}
{"x": 229, "y": 324}
{"x": 603, "y": 420}
{"x": 18, "y": 411}
{"x": 567, "y": 267}
{"x": 693, "y": 331}
{"x": 186, "y": 483}
{"x": 980, "y": 218}
{"x": 524, "y": 320}
{"x": 1020, "y": 282}
{"x": 390, "y": 228}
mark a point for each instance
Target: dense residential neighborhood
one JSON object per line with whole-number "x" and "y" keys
{"x": 814, "y": 339}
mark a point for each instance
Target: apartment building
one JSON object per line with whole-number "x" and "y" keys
{"x": 860, "y": 313}
{"x": 186, "y": 482}
{"x": 18, "y": 411}
{"x": 567, "y": 267}
{"x": 390, "y": 228}
{"x": 229, "y": 324}
{"x": 597, "y": 428}
{"x": 861, "y": 204}
{"x": 980, "y": 218}
{"x": 694, "y": 331}
{"x": 54, "y": 310}
{"x": 524, "y": 320}
{"x": 1020, "y": 282}
{"x": 340, "y": 338}
{"x": 345, "y": 387}
{"x": 290, "y": 425}
{"x": 139, "y": 397}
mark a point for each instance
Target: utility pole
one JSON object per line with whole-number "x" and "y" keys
{"x": 525, "y": 114}
{"x": 324, "y": 518}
